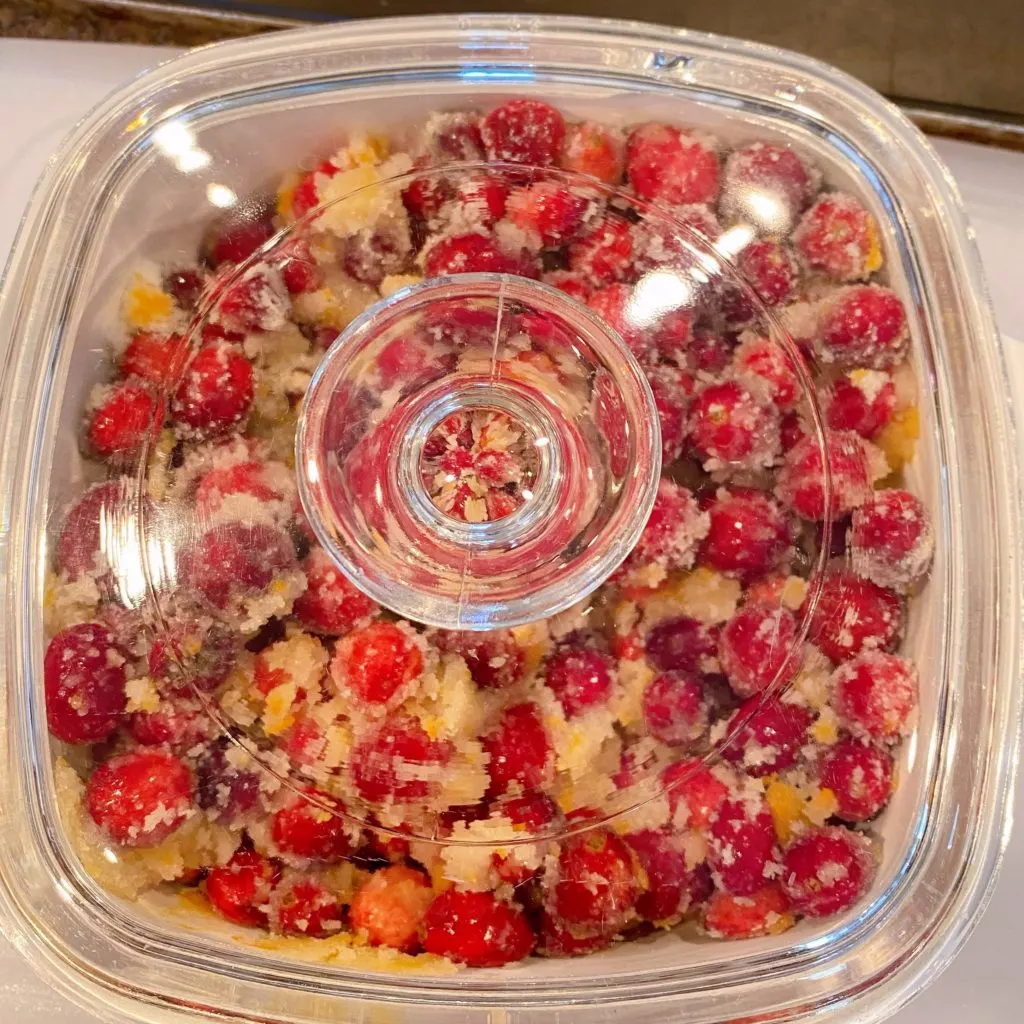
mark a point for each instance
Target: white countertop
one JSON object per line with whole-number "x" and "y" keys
{"x": 45, "y": 87}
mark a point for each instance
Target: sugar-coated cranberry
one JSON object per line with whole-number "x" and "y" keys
{"x": 467, "y": 254}
{"x": 533, "y": 811}
{"x": 240, "y": 890}
{"x": 424, "y": 196}
{"x": 330, "y": 604}
{"x": 594, "y": 889}
{"x": 768, "y": 267}
{"x": 594, "y": 149}
{"x": 659, "y": 243}
{"x": 875, "y": 696}
{"x": 862, "y": 401}
{"x": 376, "y": 663}
{"x": 579, "y": 678}
{"x": 236, "y": 559}
{"x": 372, "y": 254}
{"x": 761, "y": 173}
{"x": 771, "y": 739}
{"x": 92, "y": 532}
{"x": 576, "y": 286}
{"x": 548, "y": 210}
{"x": 299, "y": 270}
{"x": 667, "y": 165}
{"x": 494, "y": 659}
{"x": 729, "y": 426}
{"x": 764, "y": 362}
{"x": 84, "y": 679}
{"x": 398, "y": 761}
{"x": 304, "y": 905}
{"x": 826, "y": 870}
{"x": 390, "y": 906}
{"x": 477, "y": 929}
{"x": 312, "y": 826}
{"x": 226, "y": 792}
{"x": 186, "y": 656}
{"x": 710, "y": 350}
{"x": 756, "y": 648}
{"x": 791, "y": 431}
{"x": 604, "y": 253}
{"x": 675, "y": 708}
{"x": 854, "y": 615}
{"x": 838, "y": 237}
{"x": 554, "y": 939}
{"x": 863, "y": 325}
{"x": 139, "y": 798}
{"x": 667, "y": 889}
{"x": 239, "y": 236}
{"x": 126, "y": 416}
{"x": 859, "y": 776}
{"x": 257, "y": 301}
{"x": 767, "y": 911}
{"x": 524, "y": 132}
{"x": 519, "y": 749}
{"x": 185, "y": 285}
{"x": 179, "y": 727}
{"x": 251, "y": 478}
{"x": 741, "y": 849}
{"x": 216, "y": 391}
{"x": 155, "y": 358}
{"x": 454, "y": 135}
{"x": 671, "y": 388}
{"x": 695, "y": 793}
{"x": 682, "y": 644}
{"x": 891, "y": 540}
{"x": 748, "y": 535}
{"x": 800, "y": 482}
{"x": 612, "y": 304}
{"x": 673, "y": 531}
{"x": 481, "y": 199}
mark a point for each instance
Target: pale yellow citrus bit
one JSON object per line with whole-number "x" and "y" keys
{"x": 786, "y": 805}
{"x": 825, "y": 730}
{"x": 363, "y": 151}
{"x": 146, "y": 306}
{"x": 286, "y": 194}
{"x": 821, "y": 806}
{"x": 142, "y": 695}
{"x": 394, "y": 282}
{"x": 437, "y": 879}
{"x": 875, "y": 258}
{"x": 899, "y": 437}
{"x": 779, "y": 923}
{"x": 277, "y": 713}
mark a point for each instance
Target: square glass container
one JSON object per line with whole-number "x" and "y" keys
{"x": 124, "y": 187}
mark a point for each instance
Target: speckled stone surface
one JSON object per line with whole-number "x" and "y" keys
{"x": 67, "y": 19}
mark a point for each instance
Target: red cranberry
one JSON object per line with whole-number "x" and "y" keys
{"x": 84, "y": 678}
{"x": 185, "y": 285}
{"x": 534, "y": 811}
{"x": 875, "y": 696}
{"x": 424, "y": 197}
{"x": 519, "y": 749}
{"x": 748, "y": 534}
{"x": 771, "y": 739}
{"x": 454, "y": 135}
{"x": 126, "y": 417}
{"x": 235, "y": 559}
{"x": 673, "y": 531}
{"x": 312, "y": 826}
{"x": 594, "y": 149}
{"x": 671, "y": 388}
{"x": 223, "y": 790}
{"x": 389, "y": 907}
{"x": 854, "y": 615}
{"x": 604, "y": 253}
{"x": 756, "y": 648}
{"x": 330, "y": 604}
{"x": 299, "y": 270}
{"x": 741, "y": 847}
{"x": 467, "y": 254}
{"x": 576, "y": 286}
{"x": 612, "y": 304}
{"x": 548, "y": 210}
{"x": 554, "y": 939}
{"x": 675, "y": 708}
{"x": 765, "y": 363}
{"x": 477, "y": 929}
{"x": 710, "y": 351}
{"x": 694, "y": 793}
{"x": 376, "y": 663}
{"x": 860, "y": 777}
{"x": 140, "y": 798}
{"x": 827, "y": 870}
{"x": 839, "y": 237}
{"x": 257, "y": 301}
{"x": 791, "y": 431}
{"x": 371, "y": 255}
{"x": 667, "y": 889}
{"x": 494, "y": 659}
{"x": 891, "y": 540}
{"x": 154, "y": 358}
{"x": 93, "y": 528}
{"x": 595, "y": 886}
{"x": 524, "y": 132}
{"x": 580, "y": 679}
{"x": 771, "y": 270}
{"x": 216, "y": 392}
{"x": 398, "y": 761}
{"x": 240, "y": 890}
{"x": 862, "y": 401}
{"x": 728, "y": 425}
{"x": 768, "y": 171}
{"x": 682, "y": 644}
{"x": 762, "y": 912}
{"x": 483, "y": 198}
{"x": 800, "y": 482}
{"x": 863, "y": 325}
{"x": 667, "y": 165}
{"x": 303, "y": 905}
{"x": 175, "y": 726}
{"x": 236, "y": 239}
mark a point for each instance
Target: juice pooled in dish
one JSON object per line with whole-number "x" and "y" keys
{"x": 706, "y": 739}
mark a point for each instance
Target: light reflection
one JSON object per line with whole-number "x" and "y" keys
{"x": 178, "y": 143}
{"x": 658, "y": 293}
{"x": 734, "y": 240}
{"x": 766, "y": 210}
{"x": 221, "y": 195}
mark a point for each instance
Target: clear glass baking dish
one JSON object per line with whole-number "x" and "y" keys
{"x": 122, "y": 183}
